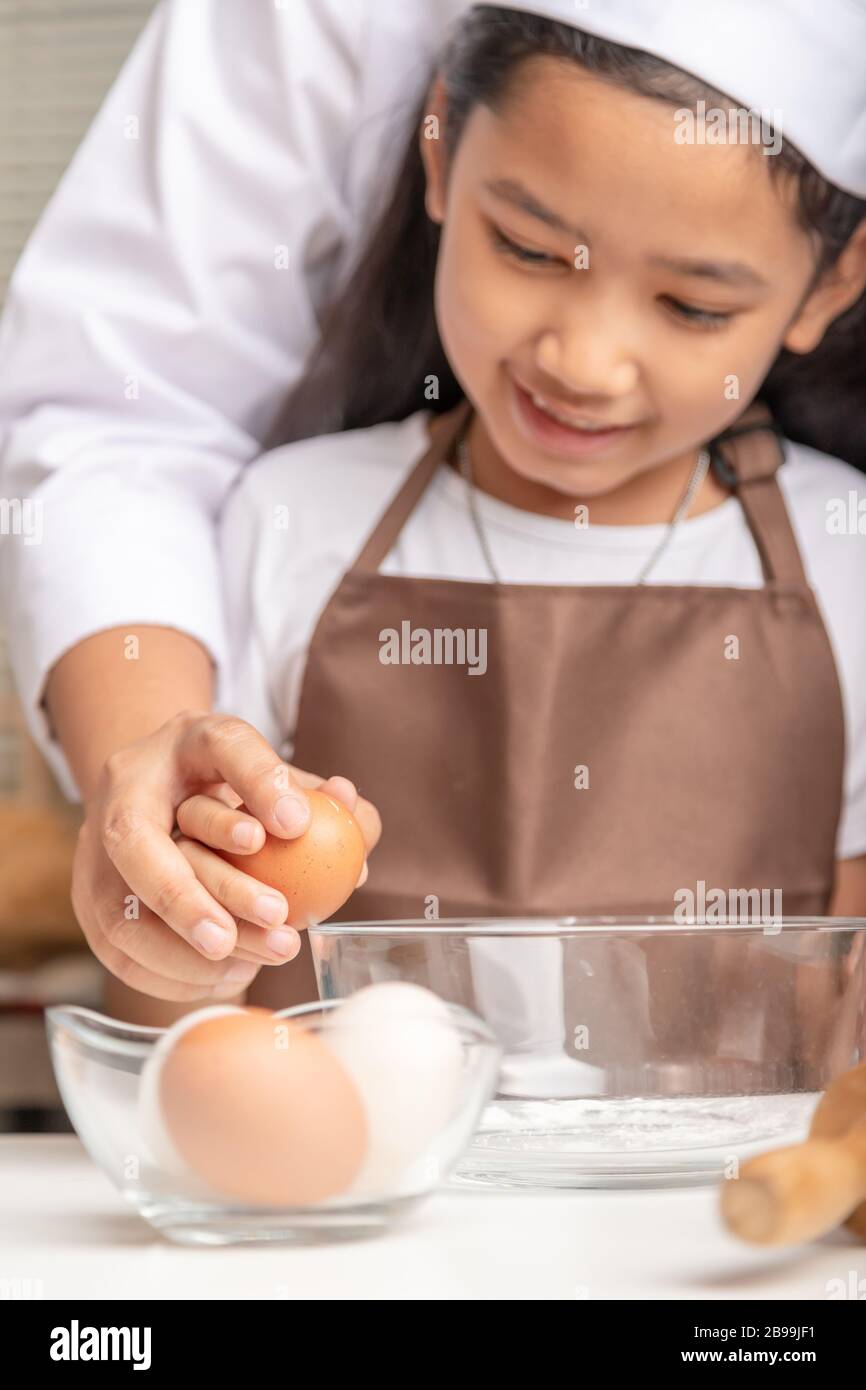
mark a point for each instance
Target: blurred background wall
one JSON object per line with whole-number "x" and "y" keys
{"x": 57, "y": 60}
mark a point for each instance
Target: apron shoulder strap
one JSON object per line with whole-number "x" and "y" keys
{"x": 747, "y": 457}
{"x": 446, "y": 430}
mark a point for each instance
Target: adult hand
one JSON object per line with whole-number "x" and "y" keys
{"x": 167, "y": 916}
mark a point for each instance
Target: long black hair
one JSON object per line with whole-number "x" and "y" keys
{"x": 379, "y": 347}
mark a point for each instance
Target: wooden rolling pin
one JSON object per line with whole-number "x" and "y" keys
{"x": 800, "y": 1192}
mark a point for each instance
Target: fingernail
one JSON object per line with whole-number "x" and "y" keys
{"x": 244, "y": 834}
{"x": 293, "y": 814}
{"x": 365, "y": 874}
{"x": 282, "y": 943}
{"x": 211, "y": 937}
{"x": 271, "y": 910}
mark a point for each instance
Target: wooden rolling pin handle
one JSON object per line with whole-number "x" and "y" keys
{"x": 798, "y": 1193}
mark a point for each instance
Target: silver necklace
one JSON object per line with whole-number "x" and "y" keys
{"x": 699, "y": 473}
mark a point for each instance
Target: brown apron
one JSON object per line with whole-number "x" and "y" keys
{"x": 708, "y": 720}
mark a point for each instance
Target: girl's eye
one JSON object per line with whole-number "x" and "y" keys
{"x": 703, "y": 318}
{"x": 523, "y": 254}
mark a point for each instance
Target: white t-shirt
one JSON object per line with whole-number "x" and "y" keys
{"x": 301, "y": 513}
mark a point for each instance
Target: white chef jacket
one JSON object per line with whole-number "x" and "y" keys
{"x": 154, "y": 323}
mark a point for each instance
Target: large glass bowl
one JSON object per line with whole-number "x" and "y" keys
{"x": 637, "y": 1051}
{"x": 99, "y": 1064}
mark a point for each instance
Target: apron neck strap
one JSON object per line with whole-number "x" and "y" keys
{"x": 747, "y": 457}
{"x": 446, "y": 431}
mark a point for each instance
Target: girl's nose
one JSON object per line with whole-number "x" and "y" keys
{"x": 585, "y": 366}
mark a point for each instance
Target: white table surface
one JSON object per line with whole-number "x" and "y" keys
{"x": 62, "y": 1223}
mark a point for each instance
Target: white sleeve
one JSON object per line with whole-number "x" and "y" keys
{"x": 847, "y": 631}
{"x": 161, "y": 310}
{"x": 827, "y": 507}
{"x": 243, "y": 538}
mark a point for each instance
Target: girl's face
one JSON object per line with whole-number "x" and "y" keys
{"x": 619, "y": 278}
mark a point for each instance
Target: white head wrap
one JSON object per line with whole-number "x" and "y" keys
{"x": 800, "y": 64}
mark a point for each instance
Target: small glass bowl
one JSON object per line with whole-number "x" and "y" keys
{"x": 638, "y": 1051}
{"x": 98, "y": 1063}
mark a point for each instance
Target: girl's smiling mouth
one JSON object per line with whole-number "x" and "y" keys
{"x": 552, "y": 428}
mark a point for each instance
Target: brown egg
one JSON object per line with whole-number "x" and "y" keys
{"x": 262, "y": 1111}
{"x": 317, "y": 871}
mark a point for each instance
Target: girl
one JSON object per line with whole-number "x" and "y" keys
{"x": 567, "y": 588}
